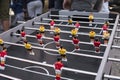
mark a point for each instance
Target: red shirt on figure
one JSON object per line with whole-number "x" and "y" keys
{"x": 38, "y": 36}
{"x": 52, "y": 23}
{"x": 23, "y": 34}
{"x": 56, "y": 38}
{"x": 75, "y": 41}
{"x": 58, "y": 65}
{"x": 97, "y": 43}
{"x": 3, "y": 54}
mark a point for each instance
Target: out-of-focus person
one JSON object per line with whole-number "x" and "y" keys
{"x": 34, "y": 8}
{"x": 105, "y": 6}
{"x": 17, "y": 7}
{"x": 81, "y": 5}
{"x": 4, "y": 14}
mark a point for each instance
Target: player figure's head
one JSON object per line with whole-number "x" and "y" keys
{"x": 37, "y": 32}
{"x": 59, "y": 59}
{"x": 4, "y": 49}
{"x": 96, "y": 39}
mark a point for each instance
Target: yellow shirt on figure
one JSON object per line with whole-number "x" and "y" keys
{"x": 74, "y": 31}
{"x": 1, "y": 41}
{"x": 27, "y": 45}
{"x": 62, "y": 51}
{"x": 42, "y": 28}
{"x": 57, "y": 30}
{"x": 106, "y": 35}
{"x": 70, "y": 21}
{"x": 92, "y": 34}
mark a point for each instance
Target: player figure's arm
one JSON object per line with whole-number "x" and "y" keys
{"x": 67, "y": 4}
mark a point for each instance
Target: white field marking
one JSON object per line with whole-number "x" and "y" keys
{"x": 80, "y": 17}
{"x": 47, "y": 19}
{"x": 68, "y": 69}
{"x": 49, "y": 52}
{"x": 52, "y": 66}
{"x": 35, "y": 72}
{"x": 38, "y": 67}
{"x": 9, "y": 77}
{"x": 71, "y": 26}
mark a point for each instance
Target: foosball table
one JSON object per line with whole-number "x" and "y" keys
{"x": 81, "y": 64}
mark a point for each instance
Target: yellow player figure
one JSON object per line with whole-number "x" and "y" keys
{"x": 28, "y": 46}
{"x": 91, "y": 17}
{"x": 70, "y": 21}
{"x": 74, "y": 32}
{"x": 57, "y": 31}
{"x": 92, "y": 35}
{"x": 62, "y": 51}
{"x": 42, "y": 29}
{"x": 1, "y": 42}
{"x": 106, "y": 36}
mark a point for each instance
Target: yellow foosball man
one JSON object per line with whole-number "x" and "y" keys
{"x": 28, "y": 46}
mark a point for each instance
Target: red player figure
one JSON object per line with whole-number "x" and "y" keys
{"x": 76, "y": 43}
{"x": 97, "y": 45}
{"x": 56, "y": 39}
{"x": 52, "y": 23}
{"x": 58, "y": 68}
{"x": 104, "y": 28}
{"x": 23, "y": 35}
{"x": 3, "y": 54}
{"x": 39, "y": 38}
{"x": 77, "y": 25}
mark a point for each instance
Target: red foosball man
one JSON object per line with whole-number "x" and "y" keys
{"x": 23, "y": 35}
{"x": 97, "y": 45}
{"x": 52, "y": 24}
{"x": 77, "y": 25}
{"x": 39, "y": 38}
{"x": 104, "y": 28}
{"x": 76, "y": 43}
{"x": 3, "y": 55}
{"x": 56, "y": 39}
{"x": 58, "y": 69}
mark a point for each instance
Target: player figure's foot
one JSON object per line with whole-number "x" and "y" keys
{"x": 64, "y": 59}
{"x": 32, "y": 53}
{"x": 2, "y": 67}
{"x": 90, "y": 24}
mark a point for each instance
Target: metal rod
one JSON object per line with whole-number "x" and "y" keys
{"x": 71, "y": 26}
{"x": 64, "y": 68}
{"x": 106, "y": 54}
{"x": 61, "y": 25}
{"x": 46, "y": 19}
{"x": 47, "y": 49}
{"x": 66, "y": 16}
{"x": 9, "y": 77}
{"x": 62, "y": 31}
{"x": 52, "y": 66}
